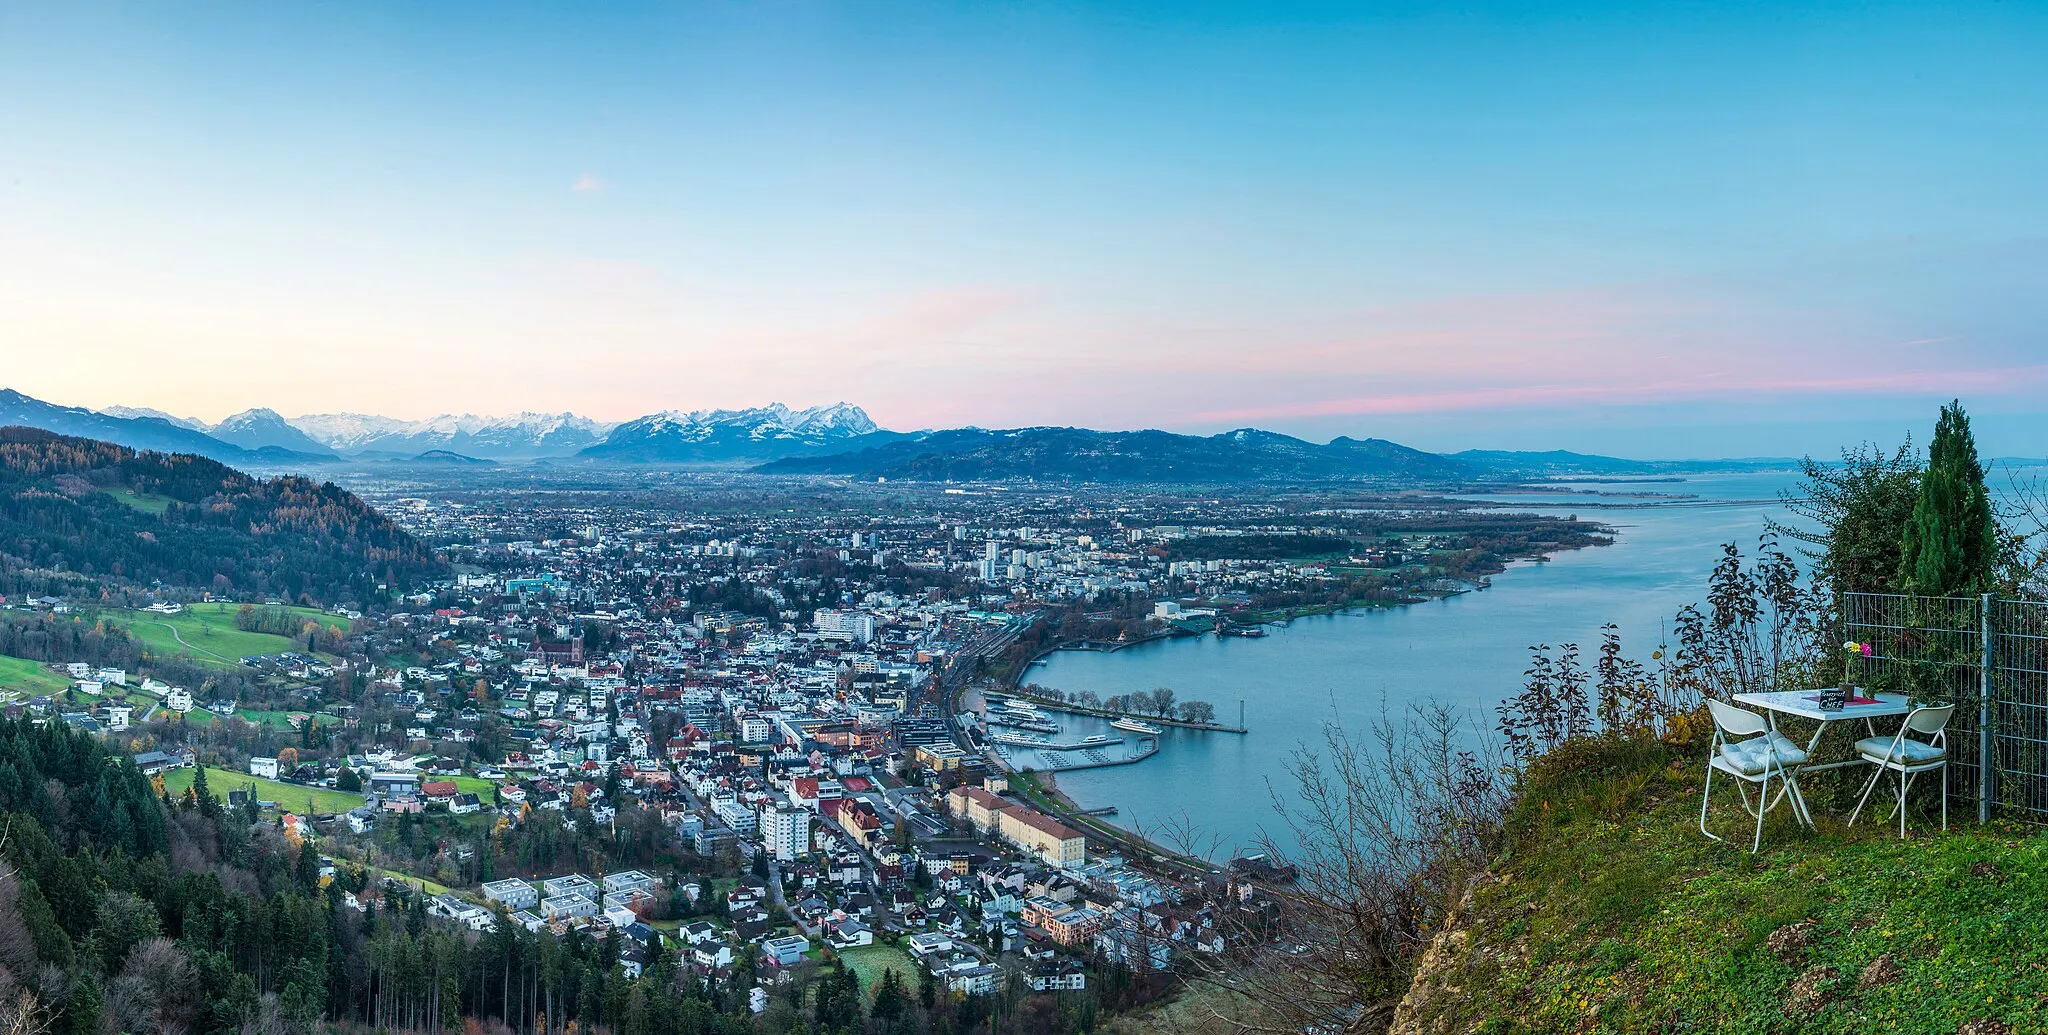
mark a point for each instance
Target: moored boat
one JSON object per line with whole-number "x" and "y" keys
{"x": 1134, "y": 726}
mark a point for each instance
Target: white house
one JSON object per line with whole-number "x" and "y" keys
{"x": 178, "y": 699}
{"x": 263, "y": 767}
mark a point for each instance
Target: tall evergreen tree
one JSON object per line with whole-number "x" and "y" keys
{"x": 209, "y": 806}
{"x": 1951, "y": 543}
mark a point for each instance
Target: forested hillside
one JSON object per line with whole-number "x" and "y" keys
{"x": 77, "y": 515}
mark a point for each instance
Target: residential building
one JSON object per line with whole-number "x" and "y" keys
{"x": 512, "y": 894}
{"x": 1055, "y": 843}
{"x": 786, "y": 832}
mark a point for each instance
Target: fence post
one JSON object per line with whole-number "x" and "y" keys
{"x": 1986, "y": 771}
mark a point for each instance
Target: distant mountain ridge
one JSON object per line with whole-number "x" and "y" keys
{"x": 144, "y": 411}
{"x": 1082, "y": 455}
{"x": 766, "y": 433}
{"x": 520, "y": 436}
{"x": 835, "y": 439}
{"x": 264, "y": 428}
{"x": 140, "y": 432}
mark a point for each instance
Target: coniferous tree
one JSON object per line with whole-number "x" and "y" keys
{"x": 209, "y": 806}
{"x": 1951, "y": 542}
{"x": 82, "y": 1009}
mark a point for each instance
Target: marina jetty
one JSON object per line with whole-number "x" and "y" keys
{"x": 1062, "y": 706}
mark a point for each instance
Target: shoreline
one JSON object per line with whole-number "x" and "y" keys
{"x": 1041, "y": 790}
{"x": 1071, "y": 812}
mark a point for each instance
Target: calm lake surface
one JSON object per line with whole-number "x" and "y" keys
{"x": 1468, "y": 650}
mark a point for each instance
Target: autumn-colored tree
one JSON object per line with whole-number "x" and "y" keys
{"x": 287, "y": 757}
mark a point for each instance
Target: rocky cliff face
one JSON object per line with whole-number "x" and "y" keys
{"x": 1438, "y": 980}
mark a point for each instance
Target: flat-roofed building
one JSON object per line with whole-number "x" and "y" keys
{"x": 938, "y": 757}
{"x": 514, "y": 895}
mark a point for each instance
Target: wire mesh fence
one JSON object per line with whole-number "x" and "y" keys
{"x": 2019, "y": 666}
{"x": 1989, "y": 657}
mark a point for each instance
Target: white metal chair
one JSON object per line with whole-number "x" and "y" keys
{"x": 1909, "y": 757}
{"x": 1755, "y": 760}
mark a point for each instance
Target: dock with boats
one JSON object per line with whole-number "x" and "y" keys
{"x": 1095, "y": 743}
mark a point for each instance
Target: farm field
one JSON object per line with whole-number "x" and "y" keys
{"x": 30, "y": 677}
{"x": 289, "y": 796}
{"x": 869, "y": 961}
{"x": 206, "y": 633}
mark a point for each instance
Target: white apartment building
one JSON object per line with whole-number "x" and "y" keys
{"x": 786, "y": 832}
{"x": 856, "y": 626}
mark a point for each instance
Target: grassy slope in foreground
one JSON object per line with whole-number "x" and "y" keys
{"x": 30, "y": 677}
{"x": 209, "y": 632}
{"x": 1609, "y": 912}
{"x": 289, "y": 796}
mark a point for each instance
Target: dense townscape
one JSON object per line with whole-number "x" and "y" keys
{"x": 672, "y": 728}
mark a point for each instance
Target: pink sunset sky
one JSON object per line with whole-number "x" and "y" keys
{"x": 1685, "y": 233}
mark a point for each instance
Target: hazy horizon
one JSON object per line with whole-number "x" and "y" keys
{"x": 1639, "y": 230}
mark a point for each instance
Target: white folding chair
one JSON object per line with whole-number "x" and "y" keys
{"x": 1909, "y": 757}
{"x": 1755, "y": 760}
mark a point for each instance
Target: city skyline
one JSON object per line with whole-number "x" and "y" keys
{"x": 1641, "y": 231}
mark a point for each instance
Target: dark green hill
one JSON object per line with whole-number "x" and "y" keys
{"x": 1082, "y": 455}
{"x": 76, "y": 514}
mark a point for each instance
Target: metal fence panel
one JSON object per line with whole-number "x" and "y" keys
{"x": 1987, "y": 656}
{"x": 2019, "y": 668}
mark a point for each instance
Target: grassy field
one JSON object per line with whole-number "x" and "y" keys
{"x": 138, "y": 501}
{"x": 869, "y": 961}
{"x": 291, "y": 797}
{"x": 483, "y": 789}
{"x": 280, "y": 720}
{"x": 1607, "y": 911}
{"x": 206, "y": 632}
{"x": 30, "y": 677}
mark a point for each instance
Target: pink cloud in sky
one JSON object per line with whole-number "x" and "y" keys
{"x": 587, "y": 183}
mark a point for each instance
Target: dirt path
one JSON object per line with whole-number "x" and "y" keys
{"x": 188, "y": 645}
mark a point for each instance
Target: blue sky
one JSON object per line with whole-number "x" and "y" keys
{"x": 1649, "y": 230}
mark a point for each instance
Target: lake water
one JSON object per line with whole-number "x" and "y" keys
{"x": 1469, "y": 650}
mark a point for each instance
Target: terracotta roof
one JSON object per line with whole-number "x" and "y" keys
{"x": 1043, "y": 823}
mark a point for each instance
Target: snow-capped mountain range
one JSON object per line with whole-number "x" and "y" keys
{"x": 767, "y": 433}
{"x": 519, "y": 436}
{"x": 701, "y": 436}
